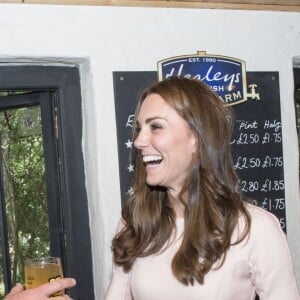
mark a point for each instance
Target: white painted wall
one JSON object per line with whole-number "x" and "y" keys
{"x": 124, "y": 39}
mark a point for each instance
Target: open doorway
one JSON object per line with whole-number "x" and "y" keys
{"x": 296, "y": 66}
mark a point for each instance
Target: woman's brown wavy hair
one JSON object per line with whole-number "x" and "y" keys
{"x": 212, "y": 201}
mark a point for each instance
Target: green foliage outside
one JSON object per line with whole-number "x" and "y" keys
{"x": 23, "y": 171}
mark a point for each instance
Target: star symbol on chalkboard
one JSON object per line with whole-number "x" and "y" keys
{"x": 129, "y": 144}
{"x": 130, "y": 168}
{"x": 130, "y": 191}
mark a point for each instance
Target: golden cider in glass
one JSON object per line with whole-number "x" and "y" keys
{"x": 42, "y": 270}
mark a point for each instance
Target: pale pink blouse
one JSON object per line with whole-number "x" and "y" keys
{"x": 260, "y": 264}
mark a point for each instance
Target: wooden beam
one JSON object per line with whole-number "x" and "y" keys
{"x": 225, "y": 4}
{"x": 11, "y": 1}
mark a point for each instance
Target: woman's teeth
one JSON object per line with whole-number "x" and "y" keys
{"x": 152, "y": 159}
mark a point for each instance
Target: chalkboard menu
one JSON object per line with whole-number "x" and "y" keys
{"x": 256, "y": 141}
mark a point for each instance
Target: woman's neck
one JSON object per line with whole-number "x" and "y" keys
{"x": 176, "y": 204}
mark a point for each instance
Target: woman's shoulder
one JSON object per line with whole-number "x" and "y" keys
{"x": 256, "y": 210}
{"x": 259, "y": 212}
{"x": 262, "y": 220}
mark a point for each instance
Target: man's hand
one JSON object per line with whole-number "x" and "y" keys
{"x": 42, "y": 292}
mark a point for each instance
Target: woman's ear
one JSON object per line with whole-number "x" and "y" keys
{"x": 194, "y": 143}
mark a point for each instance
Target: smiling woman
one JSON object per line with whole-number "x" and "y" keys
{"x": 166, "y": 143}
{"x": 187, "y": 231}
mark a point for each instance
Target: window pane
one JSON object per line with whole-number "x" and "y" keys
{"x": 2, "y": 291}
{"x": 24, "y": 184}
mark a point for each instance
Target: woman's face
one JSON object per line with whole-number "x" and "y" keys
{"x": 166, "y": 143}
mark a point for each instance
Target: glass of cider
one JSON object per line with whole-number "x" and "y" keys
{"x": 43, "y": 270}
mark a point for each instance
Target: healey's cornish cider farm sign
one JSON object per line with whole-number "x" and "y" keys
{"x": 225, "y": 75}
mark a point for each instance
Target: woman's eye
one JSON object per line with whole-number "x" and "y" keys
{"x": 155, "y": 126}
